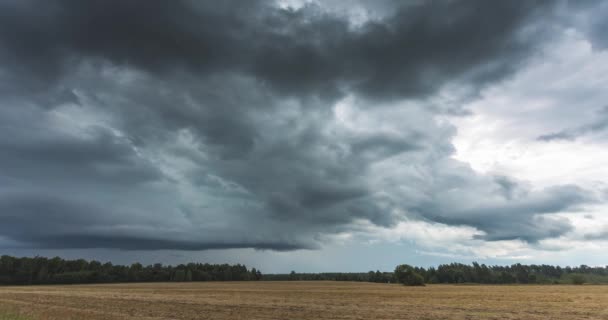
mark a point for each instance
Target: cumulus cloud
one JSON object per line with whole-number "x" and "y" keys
{"x": 187, "y": 125}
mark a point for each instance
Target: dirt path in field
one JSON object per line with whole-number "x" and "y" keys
{"x": 304, "y": 300}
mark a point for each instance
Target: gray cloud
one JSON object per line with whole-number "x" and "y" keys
{"x": 600, "y": 235}
{"x": 307, "y": 51}
{"x": 504, "y": 209}
{"x": 186, "y": 125}
{"x": 595, "y": 14}
{"x": 527, "y": 218}
{"x": 597, "y": 126}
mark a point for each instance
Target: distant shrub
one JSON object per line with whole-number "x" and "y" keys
{"x": 407, "y": 275}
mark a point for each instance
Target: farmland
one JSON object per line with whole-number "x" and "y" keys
{"x": 302, "y": 300}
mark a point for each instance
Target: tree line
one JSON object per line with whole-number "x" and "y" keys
{"x": 516, "y": 273}
{"x": 455, "y": 273}
{"x": 372, "y": 276}
{"x": 40, "y": 270}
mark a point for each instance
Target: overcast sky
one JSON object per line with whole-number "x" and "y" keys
{"x": 305, "y": 135}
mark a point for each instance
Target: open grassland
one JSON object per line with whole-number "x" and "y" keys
{"x": 301, "y": 300}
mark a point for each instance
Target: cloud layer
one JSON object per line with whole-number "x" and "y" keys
{"x": 187, "y": 125}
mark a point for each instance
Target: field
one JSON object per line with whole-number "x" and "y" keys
{"x": 301, "y": 300}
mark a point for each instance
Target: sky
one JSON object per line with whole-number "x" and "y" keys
{"x": 305, "y": 135}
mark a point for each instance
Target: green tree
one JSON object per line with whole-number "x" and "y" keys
{"x": 255, "y": 274}
{"x": 407, "y": 275}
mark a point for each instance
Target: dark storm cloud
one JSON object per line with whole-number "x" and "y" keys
{"x": 408, "y": 54}
{"x": 200, "y": 125}
{"x": 33, "y": 148}
{"x": 53, "y": 222}
{"x": 84, "y": 241}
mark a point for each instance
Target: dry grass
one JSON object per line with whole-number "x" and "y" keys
{"x": 302, "y": 300}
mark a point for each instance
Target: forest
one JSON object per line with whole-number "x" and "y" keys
{"x": 41, "y": 270}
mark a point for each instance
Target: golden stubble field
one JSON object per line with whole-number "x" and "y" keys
{"x": 302, "y": 300}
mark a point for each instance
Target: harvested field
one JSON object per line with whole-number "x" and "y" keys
{"x": 302, "y": 300}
